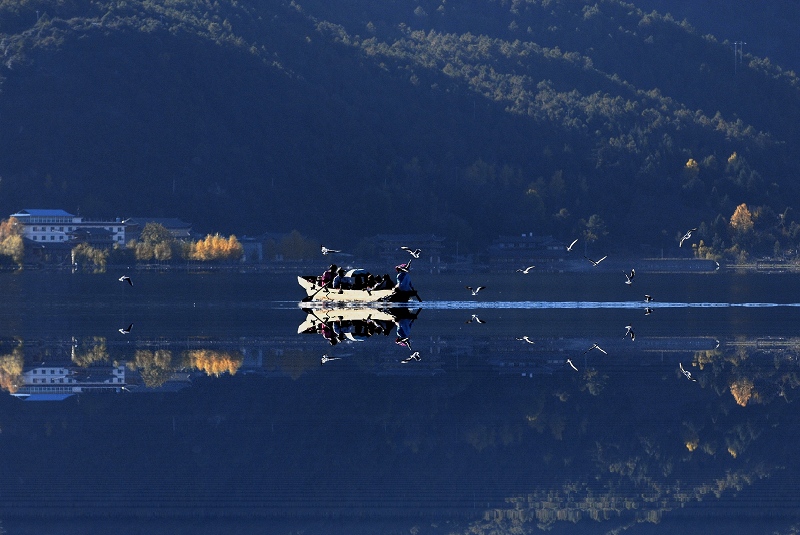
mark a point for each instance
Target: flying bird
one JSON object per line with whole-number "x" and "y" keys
{"x": 415, "y": 253}
{"x": 327, "y": 251}
{"x": 571, "y": 245}
{"x": 569, "y": 361}
{"x": 648, "y": 298}
{"x": 629, "y": 332}
{"x": 475, "y": 318}
{"x": 413, "y": 356}
{"x": 475, "y": 290}
{"x": 595, "y": 262}
{"x": 127, "y": 329}
{"x": 127, "y": 279}
{"x": 595, "y": 346}
{"x": 526, "y": 339}
{"x": 687, "y": 373}
{"x": 687, "y": 236}
{"x": 648, "y": 311}
{"x": 526, "y": 270}
{"x": 326, "y": 358}
{"x": 629, "y": 277}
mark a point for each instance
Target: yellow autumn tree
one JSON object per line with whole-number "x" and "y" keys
{"x": 213, "y": 362}
{"x": 11, "y": 244}
{"x": 743, "y": 391}
{"x": 215, "y": 247}
{"x": 742, "y": 219}
{"x": 11, "y": 366}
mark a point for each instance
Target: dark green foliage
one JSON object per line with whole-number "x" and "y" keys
{"x": 344, "y": 119}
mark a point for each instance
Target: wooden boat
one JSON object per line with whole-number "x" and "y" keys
{"x": 315, "y": 292}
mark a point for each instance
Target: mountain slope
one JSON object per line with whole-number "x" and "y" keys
{"x": 346, "y": 119}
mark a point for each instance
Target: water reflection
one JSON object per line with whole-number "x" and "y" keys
{"x": 489, "y": 429}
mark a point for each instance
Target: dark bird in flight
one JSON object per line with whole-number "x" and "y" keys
{"x": 629, "y": 332}
{"x": 475, "y": 290}
{"x": 629, "y": 277}
{"x": 526, "y": 270}
{"x": 127, "y": 279}
{"x": 648, "y": 311}
{"x": 127, "y": 329}
{"x": 648, "y": 298}
{"x": 595, "y": 346}
{"x": 687, "y": 236}
{"x": 595, "y": 262}
{"x": 571, "y": 245}
{"x": 687, "y": 373}
{"x": 327, "y": 251}
{"x": 413, "y": 356}
{"x": 415, "y": 253}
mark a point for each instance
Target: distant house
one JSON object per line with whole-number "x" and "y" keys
{"x": 179, "y": 229}
{"x": 514, "y": 251}
{"x": 54, "y": 227}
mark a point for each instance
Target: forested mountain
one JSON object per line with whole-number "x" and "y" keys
{"x": 344, "y": 119}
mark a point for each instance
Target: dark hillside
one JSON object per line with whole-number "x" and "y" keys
{"x": 467, "y": 120}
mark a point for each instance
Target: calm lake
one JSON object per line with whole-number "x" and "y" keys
{"x": 227, "y": 410}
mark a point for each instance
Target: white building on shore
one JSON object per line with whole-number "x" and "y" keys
{"x": 55, "y": 226}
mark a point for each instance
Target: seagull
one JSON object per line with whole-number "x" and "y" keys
{"x": 413, "y": 356}
{"x": 475, "y": 290}
{"x": 526, "y": 339}
{"x": 326, "y": 358}
{"x": 475, "y": 318}
{"x": 415, "y": 253}
{"x": 629, "y": 278}
{"x": 405, "y": 342}
{"x": 595, "y": 262}
{"x": 571, "y": 364}
{"x": 648, "y": 311}
{"x": 648, "y": 298}
{"x": 327, "y": 251}
{"x": 126, "y": 278}
{"x": 126, "y": 330}
{"x": 716, "y": 268}
{"x": 629, "y": 332}
{"x": 686, "y": 236}
{"x": 687, "y": 373}
{"x": 595, "y": 346}
{"x": 571, "y": 245}
{"x": 526, "y": 270}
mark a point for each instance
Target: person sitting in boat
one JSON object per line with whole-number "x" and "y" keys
{"x": 340, "y": 281}
{"x": 328, "y": 275}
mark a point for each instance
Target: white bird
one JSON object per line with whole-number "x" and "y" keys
{"x": 413, "y": 356}
{"x": 648, "y": 311}
{"x": 595, "y": 346}
{"x": 526, "y": 339}
{"x": 326, "y": 358}
{"x": 571, "y": 245}
{"x": 648, "y": 298}
{"x": 716, "y": 268}
{"x": 569, "y": 361}
{"x": 629, "y": 332}
{"x": 475, "y": 318}
{"x": 127, "y": 329}
{"x": 327, "y": 251}
{"x": 686, "y": 236}
{"x": 475, "y": 290}
{"x": 415, "y": 253}
{"x": 595, "y": 262}
{"x": 526, "y": 270}
{"x": 127, "y": 279}
{"x": 629, "y": 278}
{"x": 687, "y": 373}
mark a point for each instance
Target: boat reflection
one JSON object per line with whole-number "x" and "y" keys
{"x": 349, "y": 324}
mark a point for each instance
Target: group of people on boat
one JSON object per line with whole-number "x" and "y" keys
{"x": 335, "y": 277}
